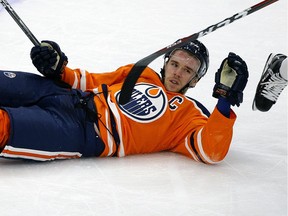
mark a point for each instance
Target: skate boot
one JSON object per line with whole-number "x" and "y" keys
{"x": 270, "y": 85}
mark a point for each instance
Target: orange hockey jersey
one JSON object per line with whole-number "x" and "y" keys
{"x": 154, "y": 119}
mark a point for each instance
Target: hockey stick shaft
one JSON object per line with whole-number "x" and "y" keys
{"x": 139, "y": 66}
{"x": 18, "y": 20}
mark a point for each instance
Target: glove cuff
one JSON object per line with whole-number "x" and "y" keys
{"x": 220, "y": 90}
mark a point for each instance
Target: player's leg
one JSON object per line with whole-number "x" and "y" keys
{"x": 53, "y": 129}
{"x": 21, "y": 88}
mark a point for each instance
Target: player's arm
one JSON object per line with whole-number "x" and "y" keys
{"x": 213, "y": 140}
{"x": 83, "y": 79}
{"x": 207, "y": 139}
{"x": 210, "y": 140}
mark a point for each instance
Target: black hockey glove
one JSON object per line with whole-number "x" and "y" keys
{"x": 231, "y": 79}
{"x": 49, "y": 59}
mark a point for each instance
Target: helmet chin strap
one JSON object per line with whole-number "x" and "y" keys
{"x": 187, "y": 86}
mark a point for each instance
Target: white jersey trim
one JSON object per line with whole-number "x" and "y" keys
{"x": 83, "y": 80}
{"x": 121, "y": 150}
{"x": 76, "y": 81}
{"x": 25, "y": 153}
{"x": 109, "y": 136}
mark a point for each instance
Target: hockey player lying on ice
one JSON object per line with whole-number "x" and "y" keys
{"x": 71, "y": 113}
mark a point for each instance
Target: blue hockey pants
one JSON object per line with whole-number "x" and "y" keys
{"x": 45, "y": 119}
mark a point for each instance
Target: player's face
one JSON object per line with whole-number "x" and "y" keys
{"x": 179, "y": 70}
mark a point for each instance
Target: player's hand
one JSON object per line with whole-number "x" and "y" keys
{"x": 49, "y": 59}
{"x": 231, "y": 79}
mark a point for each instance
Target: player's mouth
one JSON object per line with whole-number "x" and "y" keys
{"x": 174, "y": 82}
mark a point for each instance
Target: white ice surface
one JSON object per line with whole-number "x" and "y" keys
{"x": 101, "y": 35}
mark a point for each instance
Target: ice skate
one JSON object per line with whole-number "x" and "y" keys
{"x": 270, "y": 85}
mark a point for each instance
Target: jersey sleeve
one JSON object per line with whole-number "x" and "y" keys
{"x": 84, "y": 80}
{"x": 209, "y": 142}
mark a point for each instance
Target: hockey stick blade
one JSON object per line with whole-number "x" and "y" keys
{"x": 137, "y": 69}
{"x": 20, "y": 23}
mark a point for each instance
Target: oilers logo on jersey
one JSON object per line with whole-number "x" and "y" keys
{"x": 148, "y": 102}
